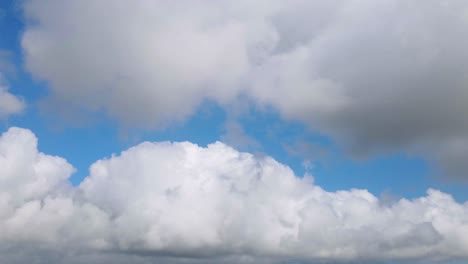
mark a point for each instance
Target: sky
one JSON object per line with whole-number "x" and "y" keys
{"x": 301, "y": 131}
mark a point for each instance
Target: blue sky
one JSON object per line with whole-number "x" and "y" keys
{"x": 357, "y": 104}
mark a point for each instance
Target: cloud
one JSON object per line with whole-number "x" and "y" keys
{"x": 146, "y": 63}
{"x": 378, "y": 77}
{"x": 9, "y": 103}
{"x": 5, "y": 65}
{"x": 181, "y": 203}
{"x": 236, "y": 136}
{"x": 375, "y": 76}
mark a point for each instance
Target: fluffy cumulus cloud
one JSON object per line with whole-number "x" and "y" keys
{"x": 181, "y": 203}
{"x": 376, "y": 76}
{"x": 9, "y": 103}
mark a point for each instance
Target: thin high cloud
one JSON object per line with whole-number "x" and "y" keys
{"x": 180, "y": 203}
{"x": 375, "y": 76}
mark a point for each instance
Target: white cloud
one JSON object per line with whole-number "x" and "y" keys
{"x": 9, "y": 103}
{"x": 181, "y": 203}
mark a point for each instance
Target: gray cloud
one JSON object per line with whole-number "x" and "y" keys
{"x": 181, "y": 203}
{"x": 147, "y": 61}
{"x": 380, "y": 76}
{"x": 376, "y": 76}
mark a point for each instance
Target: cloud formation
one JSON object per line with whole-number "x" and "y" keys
{"x": 375, "y": 76}
{"x": 146, "y": 61}
{"x": 181, "y": 203}
{"x": 378, "y": 76}
{"x": 9, "y": 103}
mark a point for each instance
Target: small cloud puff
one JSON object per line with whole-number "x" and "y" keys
{"x": 9, "y": 103}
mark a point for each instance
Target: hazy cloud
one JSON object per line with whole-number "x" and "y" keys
{"x": 235, "y": 135}
{"x": 9, "y": 103}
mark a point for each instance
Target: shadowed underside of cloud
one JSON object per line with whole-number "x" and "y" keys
{"x": 376, "y": 76}
{"x": 181, "y": 203}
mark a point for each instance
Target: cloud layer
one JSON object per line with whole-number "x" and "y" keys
{"x": 375, "y": 76}
{"x": 181, "y": 203}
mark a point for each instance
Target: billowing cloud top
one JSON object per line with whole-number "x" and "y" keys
{"x": 376, "y": 76}
{"x": 178, "y": 202}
